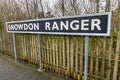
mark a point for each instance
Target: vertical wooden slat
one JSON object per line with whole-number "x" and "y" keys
{"x": 47, "y": 49}
{"x": 41, "y": 39}
{"x": 30, "y": 60}
{"x": 0, "y": 40}
{"x": 68, "y": 56}
{"x": 25, "y": 48}
{"x": 109, "y": 58}
{"x": 21, "y": 50}
{"x": 20, "y": 47}
{"x": 55, "y": 46}
{"x": 81, "y": 57}
{"x": 103, "y": 59}
{"x": 53, "y": 51}
{"x": 36, "y": 48}
{"x": 63, "y": 52}
{"x": 33, "y": 48}
{"x": 50, "y": 51}
{"x": 91, "y": 58}
{"x": 46, "y": 59}
{"x": 60, "y": 55}
{"x": 50, "y": 57}
{"x": 44, "y": 53}
{"x": 96, "y": 59}
{"x": 116, "y": 56}
{"x": 20, "y": 44}
{"x": 76, "y": 55}
{"x": 57, "y": 53}
{"x": 29, "y": 54}
{"x": 71, "y": 55}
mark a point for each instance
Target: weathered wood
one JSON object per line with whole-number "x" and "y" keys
{"x": 63, "y": 52}
{"x": 68, "y": 56}
{"x": 71, "y": 55}
{"x": 46, "y": 51}
{"x": 57, "y": 54}
{"x": 24, "y": 48}
{"x": 103, "y": 59}
{"x": 96, "y": 60}
{"x": 81, "y": 57}
{"x": 116, "y": 56}
{"x": 76, "y": 52}
{"x": 109, "y": 58}
{"x": 31, "y": 47}
{"x": 53, "y": 44}
{"x": 91, "y": 59}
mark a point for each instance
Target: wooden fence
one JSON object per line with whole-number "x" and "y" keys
{"x": 65, "y": 54}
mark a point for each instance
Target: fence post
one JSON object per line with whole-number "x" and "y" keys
{"x": 40, "y": 55}
{"x": 14, "y": 42}
{"x": 86, "y": 57}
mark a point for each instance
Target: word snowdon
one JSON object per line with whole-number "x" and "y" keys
{"x": 24, "y": 26}
{"x": 89, "y": 24}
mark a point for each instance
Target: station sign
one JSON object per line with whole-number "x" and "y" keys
{"x": 89, "y": 24}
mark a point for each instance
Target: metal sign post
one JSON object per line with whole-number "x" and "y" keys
{"x": 86, "y": 57}
{"x": 14, "y": 42}
{"x": 40, "y": 56}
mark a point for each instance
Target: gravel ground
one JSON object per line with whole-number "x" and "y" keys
{"x": 11, "y": 70}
